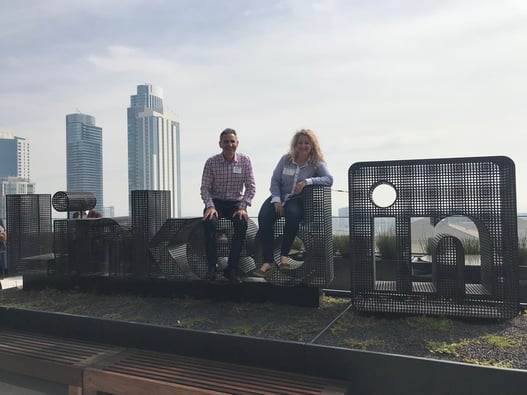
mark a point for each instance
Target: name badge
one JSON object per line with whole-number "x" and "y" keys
{"x": 289, "y": 172}
{"x": 237, "y": 170}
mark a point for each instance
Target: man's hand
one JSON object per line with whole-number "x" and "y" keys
{"x": 279, "y": 209}
{"x": 241, "y": 213}
{"x": 210, "y": 213}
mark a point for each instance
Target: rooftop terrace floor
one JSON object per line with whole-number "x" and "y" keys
{"x": 482, "y": 342}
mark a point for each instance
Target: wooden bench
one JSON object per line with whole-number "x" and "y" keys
{"x": 89, "y": 368}
{"x": 138, "y": 372}
{"x": 49, "y": 358}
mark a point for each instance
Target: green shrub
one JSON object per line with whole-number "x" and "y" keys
{"x": 522, "y": 250}
{"x": 341, "y": 243}
{"x": 298, "y": 244}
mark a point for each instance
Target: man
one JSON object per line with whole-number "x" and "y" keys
{"x": 227, "y": 189}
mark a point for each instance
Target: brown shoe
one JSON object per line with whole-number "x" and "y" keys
{"x": 265, "y": 273}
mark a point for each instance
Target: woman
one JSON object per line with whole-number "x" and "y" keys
{"x": 303, "y": 165}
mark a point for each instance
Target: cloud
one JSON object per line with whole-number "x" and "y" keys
{"x": 376, "y": 80}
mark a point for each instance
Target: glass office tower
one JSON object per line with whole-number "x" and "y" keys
{"x": 14, "y": 168}
{"x": 14, "y": 155}
{"x": 154, "y": 160}
{"x": 84, "y": 156}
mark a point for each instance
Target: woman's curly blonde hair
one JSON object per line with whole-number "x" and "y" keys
{"x": 316, "y": 155}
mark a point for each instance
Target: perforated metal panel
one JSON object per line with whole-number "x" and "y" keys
{"x": 90, "y": 246}
{"x": 156, "y": 245}
{"x": 149, "y": 211}
{"x": 179, "y": 248}
{"x": 482, "y": 189}
{"x": 313, "y": 266}
{"x": 29, "y": 228}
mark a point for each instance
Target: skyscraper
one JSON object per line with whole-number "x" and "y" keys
{"x": 154, "y": 160}
{"x": 14, "y": 168}
{"x": 84, "y": 156}
{"x": 14, "y": 155}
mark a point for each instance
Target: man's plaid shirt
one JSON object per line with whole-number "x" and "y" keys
{"x": 228, "y": 180}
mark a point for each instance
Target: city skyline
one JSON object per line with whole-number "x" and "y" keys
{"x": 375, "y": 80}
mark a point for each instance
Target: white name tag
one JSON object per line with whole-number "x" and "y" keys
{"x": 237, "y": 170}
{"x": 289, "y": 172}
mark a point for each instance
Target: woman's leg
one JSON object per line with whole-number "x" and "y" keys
{"x": 293, "y": 212}
{"x": 266, "y": 220}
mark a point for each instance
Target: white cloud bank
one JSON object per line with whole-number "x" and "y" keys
{"x": 376, "y": 80}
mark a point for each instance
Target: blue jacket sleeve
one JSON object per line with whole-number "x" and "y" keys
{"x": 322, "y": 177}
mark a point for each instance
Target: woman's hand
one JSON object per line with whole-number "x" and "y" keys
{"x": 279, "y": 209}
{"x": 300, "y": 185}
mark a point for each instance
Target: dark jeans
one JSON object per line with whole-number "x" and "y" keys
{"x": 225, "y": 209}
{"x": 293, "y": 213}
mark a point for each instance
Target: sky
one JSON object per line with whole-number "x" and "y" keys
{"x": 376, "y": 80}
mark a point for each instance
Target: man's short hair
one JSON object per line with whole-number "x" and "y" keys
{"x": 228, "y": 131}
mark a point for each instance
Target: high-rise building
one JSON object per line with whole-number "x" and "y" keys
{"x": 14, "y": 168}
{"x": 84, "y": 156}
{"x": 154, "y": 160}
{"x": 341, "y": 223}
{"x": 14, "y": 155}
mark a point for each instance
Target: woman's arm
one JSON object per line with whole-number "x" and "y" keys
{"x": 322, "y": 176}
{"x": 276, "y": 181}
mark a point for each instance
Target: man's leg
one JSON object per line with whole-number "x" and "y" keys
{"x": 240, "y": 230}
{"x": 209, "y": 227}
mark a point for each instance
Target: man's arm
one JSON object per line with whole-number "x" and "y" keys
{"x": 250, "y": 186}
{"x": 207, "y": 179}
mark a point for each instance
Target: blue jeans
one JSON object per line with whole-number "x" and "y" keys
{"x": 293, "y": 213}
{"x": 225, "y": 209}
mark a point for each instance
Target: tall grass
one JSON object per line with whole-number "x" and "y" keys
{"x": 522, "y": 250}
{"x": 470, "y": 245}
{"x": 386, "y": 244}
{"x": 426, "y": 245}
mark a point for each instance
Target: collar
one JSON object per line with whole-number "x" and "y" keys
{"x": 234, "y": 159}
